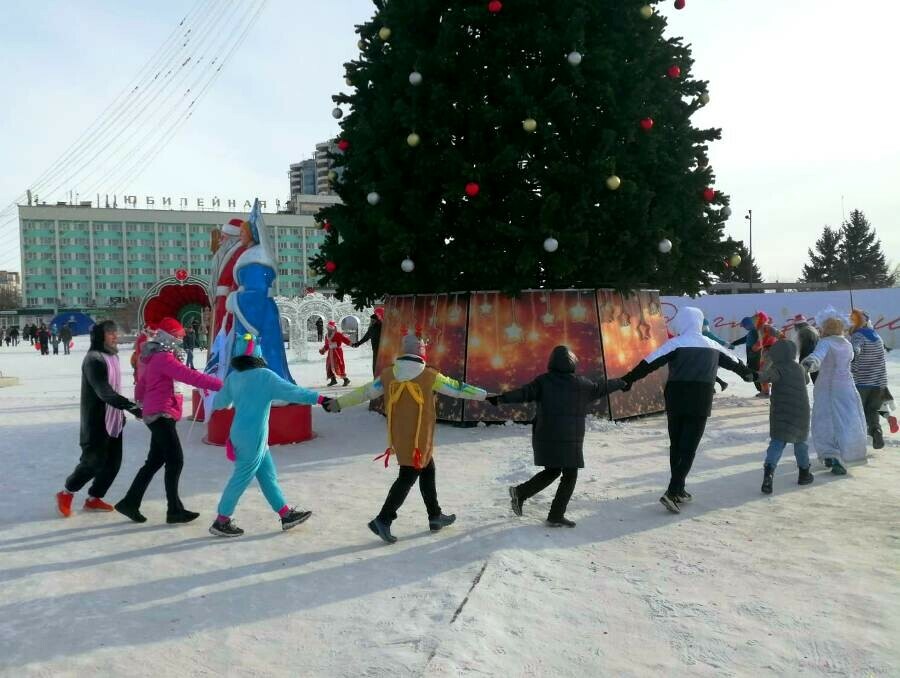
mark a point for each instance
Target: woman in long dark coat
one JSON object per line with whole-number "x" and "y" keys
{"x": 563, "y": 400}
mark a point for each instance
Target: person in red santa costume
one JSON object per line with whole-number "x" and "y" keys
{"x": 228, "y": 244}
{"x": 334, "y": 362}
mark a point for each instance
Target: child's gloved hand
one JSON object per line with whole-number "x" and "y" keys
{"x": 613, "y": 385}
{"x": 331, "y": 405}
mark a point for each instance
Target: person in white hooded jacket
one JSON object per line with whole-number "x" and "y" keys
{"x": 693, "y": 361}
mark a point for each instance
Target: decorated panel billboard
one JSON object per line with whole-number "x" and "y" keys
{"x": 632, "y": 327}
{"x": 510, "y": 340}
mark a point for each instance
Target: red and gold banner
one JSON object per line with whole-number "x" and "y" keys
{"x": 632, "y": 327}
{"x": 510, "y": 341}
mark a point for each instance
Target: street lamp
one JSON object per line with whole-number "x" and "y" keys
{"x": 749, "y": 217}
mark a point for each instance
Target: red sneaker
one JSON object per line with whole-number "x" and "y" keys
{"x": 892, "y": 422}
{"x": 64, "y": 503}
{"x": 94, "y": 504}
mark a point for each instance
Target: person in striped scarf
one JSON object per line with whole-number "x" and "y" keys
{"x": 102, "y": 422}
{"x": 869, "y": 371}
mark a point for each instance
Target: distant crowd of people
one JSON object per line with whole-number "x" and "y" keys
{"x": 43, "y": 338}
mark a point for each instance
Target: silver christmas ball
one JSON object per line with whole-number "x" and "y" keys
{"x": 665, "y": 245}
{"x": 704, "y": 98}
{"x": 337, "y": 113}
{"x": 373, "y": 198}
{"x": 415, "y": 78}
{"x": 574, "y": 58}
{"x": 551, "y": 244}
{"x": 726, "y": 212}
{"x": 407, "y": 265}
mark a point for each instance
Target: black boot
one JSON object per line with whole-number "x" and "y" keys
{"x": 438, "y": 522}
{"x": 805, "y": 477}
{"x": 877, "y": 439}
{"x": 768, "y": 476}
{"x": 560, "y": 522}
{"x": 182, "y": 516}
{"x": 382, "y": 529}
{"x": 346, "y": 381}
{"x": 131, "y": 512}
{"x": 332, "y": 382}
{"x": 514, "y": 501}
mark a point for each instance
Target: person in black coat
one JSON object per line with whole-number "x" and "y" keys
{"x": 43, "y": 336}
{"x": 320, "y": 329}
{"x": 693, "y": 361}
{"x": 102, "y": 422}
{"x": 373, "y": 334}
{"x": 563, "y": 400}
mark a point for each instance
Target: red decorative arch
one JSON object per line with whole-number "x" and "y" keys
{"x": 170, "y": 295}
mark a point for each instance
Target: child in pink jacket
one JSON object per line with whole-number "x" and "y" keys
{"x": 159, "y": 371}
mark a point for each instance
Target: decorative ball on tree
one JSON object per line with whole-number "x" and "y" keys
{"x": 413, "y": 140}
{"x": 679, "y": 4}
{"x": 337, "y": 113}
{"x": 407, "y": 265}
{"x": 665, "y": 245}
{"x": 550, "y": 138}
{"x": 646, "y": 124}
{"x": 674, "y": 71}
{"x": 384, "y": 33}
{"x": 735, "y": 260}
{"x": 343, "y": 145}
{"x": 373, "y": 198}
{"x": 709, "y": 194}
{"x": 551, "y": 244}
{"x": 330, "y": 267}
{"x": 494, "y": 6}
{"x": 574, "y": 58}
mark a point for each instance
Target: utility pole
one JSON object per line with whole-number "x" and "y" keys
{"x": 749, "y": 217}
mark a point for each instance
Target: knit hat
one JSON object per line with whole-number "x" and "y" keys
{"x": 379, "y": 313}
{"x": 247, "y": 344}
{"x": 412, "y": 345}
{"x": 171, "y": 327}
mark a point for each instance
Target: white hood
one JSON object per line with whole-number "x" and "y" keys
{"x": 407, "y": 370}
{"x": 688, "y": 326}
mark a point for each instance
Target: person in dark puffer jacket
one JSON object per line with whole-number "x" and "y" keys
{"x": 693, "y": 361}
{"x": 563, "y": 400}
{"x": 789, "y": 412}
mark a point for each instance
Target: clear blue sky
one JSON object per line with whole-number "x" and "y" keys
{"x": 804, "y": 91}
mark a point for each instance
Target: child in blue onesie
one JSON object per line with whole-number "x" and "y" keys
{"x": 251, "y": 388}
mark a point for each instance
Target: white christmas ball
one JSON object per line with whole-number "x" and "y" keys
{"x": 415, "y": 78}
{"x": 613, "y": 182}
{"x": 551, "y": 244}
{"x": 407, "y": 265}
{"x": 726, "y": 212}
{"x": 413, "y": 140}
{"x": 337, "y": 113}
{"x": 574, "y": 58}
{"x": 529, "y": 124}
{"x": 665, "y": 245}
{"x": 373, "y": 198}
{"x": 646, "y": 11}
{"x": 384, "y": 33}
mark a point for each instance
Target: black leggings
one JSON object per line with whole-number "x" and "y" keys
{"x": 101, "y": 463}
{"x": 165, "y": 449}
{"x": 685, "y": 433}
{"x": 401, "y": 487}
{"x": 544, "y": 478}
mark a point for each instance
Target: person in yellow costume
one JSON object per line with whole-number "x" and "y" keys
{"x": 409, "y": 388}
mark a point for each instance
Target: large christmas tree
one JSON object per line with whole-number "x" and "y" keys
{"x": 521, "y": 144}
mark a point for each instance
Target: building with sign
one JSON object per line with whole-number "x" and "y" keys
{"x": 84, "y": 256}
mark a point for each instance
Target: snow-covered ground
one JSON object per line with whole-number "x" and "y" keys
{"x": 805, "y": 582}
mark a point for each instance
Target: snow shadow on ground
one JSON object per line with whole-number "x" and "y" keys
{"x": 163, "y": 609}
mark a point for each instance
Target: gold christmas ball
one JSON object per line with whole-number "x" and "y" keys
{"x": 361, "y": 45}
{"x": 613, "y": 182}
{"x": 413, "y": 140}
{"x": 646, "y": 11}
{"x": 529, "y": 124}
{"x": 348, "y": 82}
{"x": 332, "y": 176}
{"x": 704, "y": 98}
{"x": 384, "y": 33}
{"x": 735, "y": 260}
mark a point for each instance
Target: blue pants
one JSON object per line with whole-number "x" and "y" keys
{"x": 248, "y": 466}
{"x": 776, "y": 447}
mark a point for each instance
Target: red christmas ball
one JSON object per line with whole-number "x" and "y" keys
{"x": 709, "y": 194}
{"x": 326, "y": 226}
{"x": 495, "y": 6}
{"x": 330, "y": 267}
{"x": 472, "y": 189}
{"x": 674, "y": 71}
{"x": 646, "y": 124}
{"x": 679, "y": 4}
{"x": 343, "y": 144}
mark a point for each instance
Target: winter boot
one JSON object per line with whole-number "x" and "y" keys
{"x": 64, "y": 503}
{"x": 805, "y": 477}
{"x": 97, "y": 504}
{"x": 514, "y": 500}
{"x": 346, "y": 381}
{"x": 684, "y": 497}
{"x": 332, "y": 382}
{"x": 670, "y": 502}
{"x": 828, "y": 462}
{"x": 837, "y": 468}
{"x": 892, "y": 423}
{"x": 383, "y": 530}
{"x": 560, "y": 522}
{"x": 293, "y": 518}
{"x": 226, "y": 528}
{"x": 877, "y": 439}
{"x": 768, "y": 477}
{"x": 441, "y": 521}
{"x": 182, "y": 516}
{"x": 131, "y": 512}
